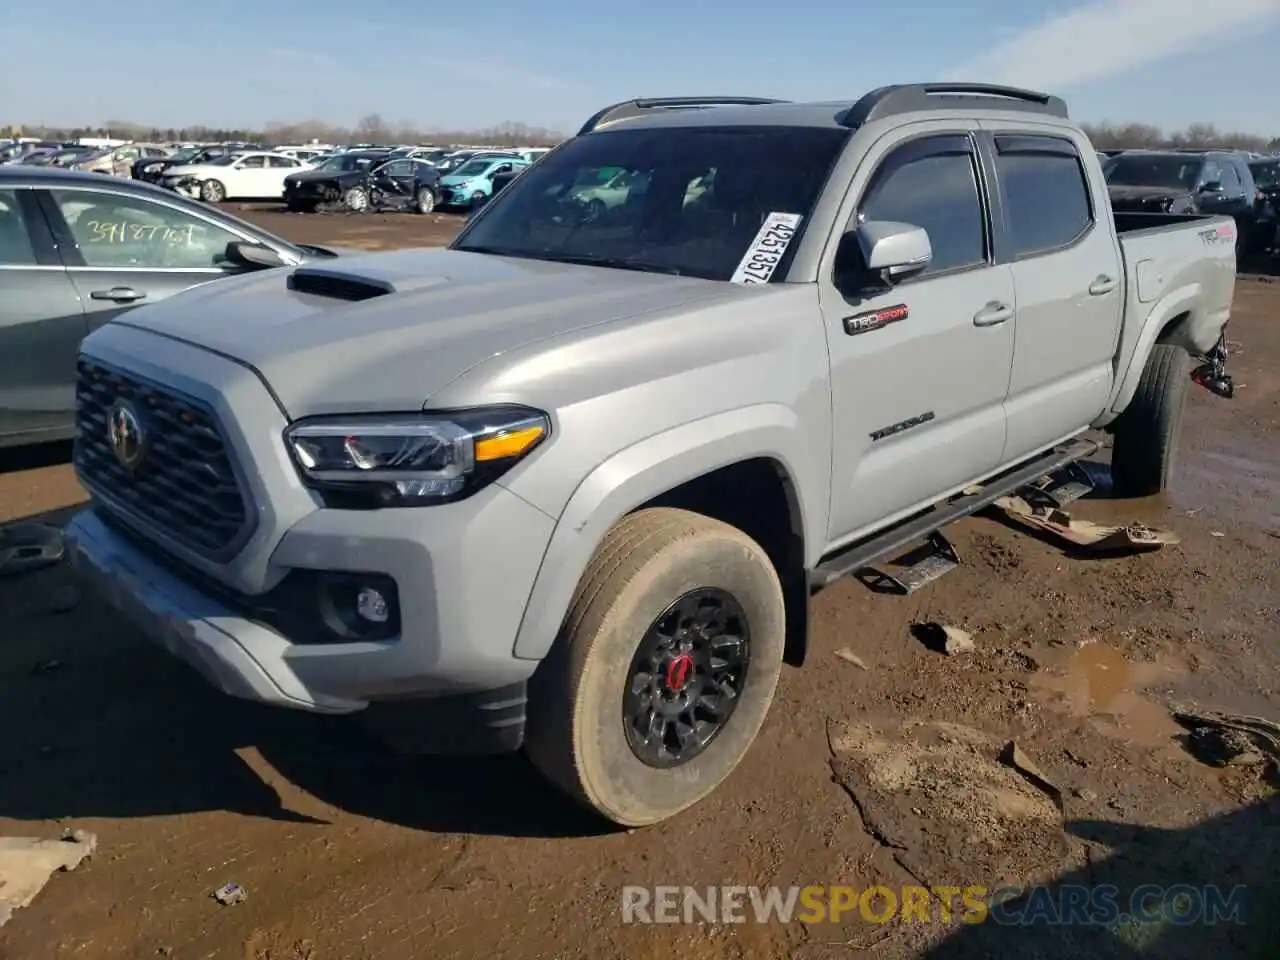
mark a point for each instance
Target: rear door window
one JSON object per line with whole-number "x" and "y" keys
{"x": 1045, "y": 194}
{"x": 15, "y": 241}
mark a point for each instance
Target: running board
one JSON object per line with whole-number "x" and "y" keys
{"x": 1066, "y": 485}
{"x": 927, "y": 526}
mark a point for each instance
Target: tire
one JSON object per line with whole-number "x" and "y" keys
{"x": 576, "y": 734}
{"x": 212, "y": 191}
{"x": 356, "y": 199}
{"x": 1145, "y": 450}
{"x": 424, "y": 201}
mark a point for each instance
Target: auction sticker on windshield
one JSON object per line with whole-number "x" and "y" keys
{"x": 767, "y": 249}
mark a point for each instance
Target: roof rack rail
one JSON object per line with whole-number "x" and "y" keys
{"x": 915, "y": 97}
{"x": 636, "y": 108}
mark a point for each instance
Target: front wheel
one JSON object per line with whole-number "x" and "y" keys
{"x": 664, "y": 671}
{"x": 211, "y": 191}
{"x": 356, "y": 199}
{"x": 1145, "y": 450}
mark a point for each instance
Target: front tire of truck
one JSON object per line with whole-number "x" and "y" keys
{"x": 1145, "y": 450}
{"x": 664, "y": 670}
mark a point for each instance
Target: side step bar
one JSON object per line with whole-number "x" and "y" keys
{"x": 859, "y": 556}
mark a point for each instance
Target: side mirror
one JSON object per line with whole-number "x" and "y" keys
{"x": 881, "y": 253}
{"x": 254, "y": 256}
{"x": 1214, "y": 186}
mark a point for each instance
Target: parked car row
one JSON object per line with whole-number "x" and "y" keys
{"x": 1200, "y": 181}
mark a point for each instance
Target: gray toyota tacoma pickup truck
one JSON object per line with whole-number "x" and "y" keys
{"x": 567, "y": 485}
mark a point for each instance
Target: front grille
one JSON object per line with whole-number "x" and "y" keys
{"x": 185, "y": 485}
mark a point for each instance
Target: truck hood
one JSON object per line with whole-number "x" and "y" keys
{"x": 428, "y": 317}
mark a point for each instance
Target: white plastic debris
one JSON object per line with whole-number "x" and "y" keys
{"x": 27, "y": 863}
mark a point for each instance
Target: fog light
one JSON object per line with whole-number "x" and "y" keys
{"x": 371, "y": 605}
{"x": 358, "y": 606}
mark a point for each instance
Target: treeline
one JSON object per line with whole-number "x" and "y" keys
{"x": 374, "y": 129}
{"x": 1107, "y": 136}
{"x": 370, "y": 129}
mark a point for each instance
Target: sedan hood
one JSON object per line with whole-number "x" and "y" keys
{"x": 425, "y": 318}
{"x": 190, "y": 170}
{"x": 312, "y": 175}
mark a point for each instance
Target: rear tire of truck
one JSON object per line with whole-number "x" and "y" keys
{"x": 1145, "y": 450}
{"x": 665, "y": 668}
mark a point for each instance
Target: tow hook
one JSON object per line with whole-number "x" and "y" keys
{"x": 1212, "y": 374}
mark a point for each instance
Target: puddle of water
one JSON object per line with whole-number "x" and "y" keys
{"x": 1099, "y": 684}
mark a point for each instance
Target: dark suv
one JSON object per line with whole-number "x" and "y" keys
{"x": 1266, "y": 177}
{"x": 1213, "y": 181}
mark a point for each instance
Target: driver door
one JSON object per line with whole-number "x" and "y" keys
{"x": 122, "y": 251}
{"x": 249, "y": 177}
{"x": 919, "y": 371}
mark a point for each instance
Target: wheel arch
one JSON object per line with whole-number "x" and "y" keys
{"x": 746, "y": 468}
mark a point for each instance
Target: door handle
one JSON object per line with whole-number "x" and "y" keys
{"x": 118, "y": 294}
{"x": 993, "y": 313}
{"x": 1101, "y": 285}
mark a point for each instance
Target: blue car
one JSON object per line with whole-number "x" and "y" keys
{"x": 473, "y": 181}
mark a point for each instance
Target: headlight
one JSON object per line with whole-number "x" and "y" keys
{"x": 412, "y": 460}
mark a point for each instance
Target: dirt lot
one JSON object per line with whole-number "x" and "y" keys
{"x": 882, "y": 773}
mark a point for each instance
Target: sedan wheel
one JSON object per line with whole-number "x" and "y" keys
{"x": 211, "y": 191}
{"x": 356, "y": 199}
{"x": 426, "y": 201}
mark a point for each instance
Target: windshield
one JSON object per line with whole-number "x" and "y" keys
{"x": 185, "y": 154}
{"x": 473, "y": 168}
{"x": 689, "y": 201}
{"x": 1170, "y": 172}
{"x": 1266, "y": 174}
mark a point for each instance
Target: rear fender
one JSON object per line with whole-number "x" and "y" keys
{"x": 639, "y": 473}
{"x": 1188, "y": 300}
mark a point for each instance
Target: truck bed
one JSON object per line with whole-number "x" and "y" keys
{"x": 1180, "y": 273}
{"x": 1139, "y": 222}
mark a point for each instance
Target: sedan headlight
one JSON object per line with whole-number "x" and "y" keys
{"x": 412, "y": 460}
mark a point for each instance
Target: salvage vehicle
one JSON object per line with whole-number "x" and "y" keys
{"x": 119, "y": 161}
{"x": 78, "y": 250}
{"x": 151, "y": 169}
{"x": 473, "y": 181}
{"x": 378, "y": 184}
{"x": 256, "y": 175}
{"x": 328, "y": 181}
{"x": 1153, "y": 181}
{"x": 1266, "y": 177}
{"x": 568, "y": 484}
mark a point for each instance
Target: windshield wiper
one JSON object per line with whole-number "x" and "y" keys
{"x": 619, "y": 263}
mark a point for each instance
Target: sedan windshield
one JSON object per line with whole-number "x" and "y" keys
{"x": 689, "y": 201}
{"x": 1168, "y": 171}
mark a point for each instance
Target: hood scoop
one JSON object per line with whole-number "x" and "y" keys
{"x": 337, "y": 285}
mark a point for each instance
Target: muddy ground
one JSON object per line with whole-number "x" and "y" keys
{"x": 879, "y": 773}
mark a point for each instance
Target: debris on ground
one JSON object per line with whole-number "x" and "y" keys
{"x": 848, "y": 656}
{"x": 943, "y": 638}
{"x": 1085, "y": 534}
{"x": 1013, "y": 756}
{"x": 976, "y": 817}
{"x": 1230, "y": 740}
{"x": 30, "y": 546}
{"x": 231, "y": 893}
{"x": 27, "y": 864}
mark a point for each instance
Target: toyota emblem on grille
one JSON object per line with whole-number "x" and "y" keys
{"x": 124, "y": 431}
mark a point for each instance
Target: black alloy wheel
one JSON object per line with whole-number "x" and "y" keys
{"x": 686, "y": 678}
